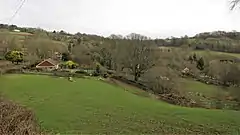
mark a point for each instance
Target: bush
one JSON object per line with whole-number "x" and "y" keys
{"x": 95, "y": 74}
{"x": 14, "y": 70}
{"x": 69, "y": 64}
{"x": 105, "y": 75}
{"x": 200, "y": 64}
{"x": 16, "y": 120}
{"x": 62, "y": 73}
{"x": 82, "y": 72}
{"x": 14, "y": 56}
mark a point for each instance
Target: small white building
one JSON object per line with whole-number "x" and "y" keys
{"x": 16, "y": 30}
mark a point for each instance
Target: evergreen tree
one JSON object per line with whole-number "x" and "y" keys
{"x": 200, "y": 64}
{"x": 66, "y": 57}
{"x": 194, "y": 57}
{"x": 190, "y": 58}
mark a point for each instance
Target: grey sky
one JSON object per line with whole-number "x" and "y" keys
{"x": 155, "y": 18}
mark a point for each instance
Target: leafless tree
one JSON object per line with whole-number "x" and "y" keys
{"x": 113, "y": 36}
{"x": 162, "y": 80}
{"x": 225, "y": 72}
{"x": 134, "y": 36}
{"x": 138, "y": 58}
{"x": 106, "y": 53}
{"x": 234, "y": 3}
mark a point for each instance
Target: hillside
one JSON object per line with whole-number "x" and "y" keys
{"x": 94, "y": 107}
{"x": 201, "y": 71}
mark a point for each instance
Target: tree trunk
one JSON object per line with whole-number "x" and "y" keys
{"x": 135, "y": 76}
{"x": 136, "y": 73}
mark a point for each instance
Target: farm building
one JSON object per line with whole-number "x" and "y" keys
{"x": 48, "y": 64}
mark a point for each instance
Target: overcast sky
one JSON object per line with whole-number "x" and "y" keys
{"x": 154, "y": 18}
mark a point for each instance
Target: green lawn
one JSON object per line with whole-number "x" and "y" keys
{"x": 93, "y": 107}
{"x": 190, "y": 85}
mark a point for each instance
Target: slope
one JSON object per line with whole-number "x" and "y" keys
{"x": 89, "y": 106}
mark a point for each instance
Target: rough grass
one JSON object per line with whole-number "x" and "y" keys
{"x": 94, "y": 107}
{"x": 207, "y": 95}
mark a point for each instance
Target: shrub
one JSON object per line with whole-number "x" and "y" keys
{"x": 82, "y": 72}
{"x": 62, "y": 73}
{"x": 14, "y": 56}
{"x": 105, "y": 75}
{"x": 13, "y": 70}
{"x": 200, "y": 64}
{"x": 16, "y": 119}
{"x": 95, "y": 74}
{"x": 69, "y": 64}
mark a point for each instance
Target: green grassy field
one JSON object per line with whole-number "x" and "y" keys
{"x": 190, "y": 85}
{"x": 206, "y": 94}
{"x": 223, "y": 54}
{"x": 93, "y": 107}
{"x": 208, "y": 53}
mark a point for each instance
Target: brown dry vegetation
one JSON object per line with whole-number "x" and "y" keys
{"x": 16, "y": 120}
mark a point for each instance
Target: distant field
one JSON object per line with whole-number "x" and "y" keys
{"x": 205, "y": 94}
{"x": 195, "y": 86}
{"x": 20, "y": 36}
{"x": 20, "y": 33}
{"x": 89, "y": 106}
{"x": 231, "y": 54}
{"x": 205, "y": 52}
{"x": 237, "y": 55}
{"x": 16, "y": 33}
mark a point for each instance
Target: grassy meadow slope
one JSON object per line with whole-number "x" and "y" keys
{"x": 93, "y": 107}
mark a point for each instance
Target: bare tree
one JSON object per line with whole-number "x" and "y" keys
{"x": 234, "y": 3}
{"x": 134, "y": 36}
{"x": 225, "y": 72}
{"x": 138, "y": 57}
{"x": 106, "y": 53}
{"x": 162, "y": 80}
{"x": 113, "y": 36}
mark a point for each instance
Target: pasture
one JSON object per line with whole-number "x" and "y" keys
{"x": 90, "y": 106}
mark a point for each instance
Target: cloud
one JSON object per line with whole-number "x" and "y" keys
{"x": 156, "y": 18}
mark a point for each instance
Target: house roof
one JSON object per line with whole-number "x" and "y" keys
{"x": 50, "y": 61}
